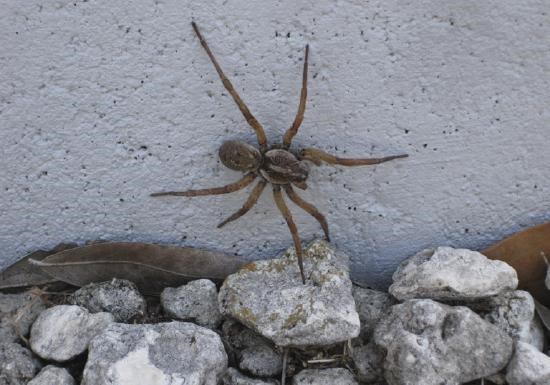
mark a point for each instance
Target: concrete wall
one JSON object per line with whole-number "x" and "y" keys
{"x": 104, "y": 102}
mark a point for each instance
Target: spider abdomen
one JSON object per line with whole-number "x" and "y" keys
{"x": 282, "y": 167}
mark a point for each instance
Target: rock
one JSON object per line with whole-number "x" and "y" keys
{"x": 514, "y": 312}
{"x": 173, "y": 353}
{"x": 62, "y": 332}
{"x": 17, "y": 313}
{"x": 528, "y": 366}
{"x": 369, "y": 362}
{"x": 448, "y": 274}
{"x": 234, "y": 377}
{"x": 335, "y": 376}
{"x": 371, "y": 305}
{"x": 119, "y": 297}
{"x": 52, "y": 375}
{"x": 17, "y": 364}
{"x": 196, "y": 301}
{"x": 269, "y": 297}
{"x": 261, "y": 361}
{"x": 252, "y": 352}
{"x": 430, "y": 343}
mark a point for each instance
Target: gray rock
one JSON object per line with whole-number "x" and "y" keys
{"x": 430, "y": 343}
{"x": 17, "y": 313}
{"x": 371, "y": 305}
{"x": 369, "y": 362}
{"x": 52, "y": 375}
{"x": 196, "y": 301}
{"x": 234, "y": 377}
{"x": 335, "y": 376}
{"x": 62, "y": 332}
{"x": 239, "y": 336}
{"x": 17, "y": 364}
{"x": 119, "y": 297}
{"x": 451, "y": 274}
{"x": 269, "y": 297}
{"x": 528, "y": 366}
{"x": 173, "y": 353}
{"x": 514, "y": 312}
{"x": 261, "y": 360}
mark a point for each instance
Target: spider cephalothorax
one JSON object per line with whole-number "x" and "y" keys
{"x": 277, "y": 165}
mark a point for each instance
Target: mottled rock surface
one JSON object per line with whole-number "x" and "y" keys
{"x": 62, "y": 332}
{"x": 528, "y": 366}
{"x": 430, "y": 343}
{"x": 17, "y": 364}
{"x": 197, "y": 301}
{"x": 514, "y": 312}
{"x": 261, "y": 360}
{"x": 17, "y": 313}
{"x": 369, "y": 362}
{"x": 119, "y": 297}
{"x": 371, "y": 305}
{"x": 335, "y": 376}
{"x": 173, "y": 353}
{"x": 269, "y": 297}
{"x": 451, "y": 274}
{"x": 234, "y": 377}
{"x": 52, "y": 375}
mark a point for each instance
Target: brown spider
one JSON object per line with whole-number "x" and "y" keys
{"x": 274, "y": 164}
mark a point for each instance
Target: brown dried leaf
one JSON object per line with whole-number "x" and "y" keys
{"x": 525, "y": 252}
{"x": 24, "y": 274}
{"x": 150, "y": 267}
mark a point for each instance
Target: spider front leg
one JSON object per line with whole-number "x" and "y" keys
{"x": 251, "y": 120}
{"x": 309, "y": 208}
{"x": 293, "y": 130}
{"x": 251, "y": 201}
{"x": 279, "y": 201}
{"x": 318, "y": 156}
{"x": 232, "y": 187}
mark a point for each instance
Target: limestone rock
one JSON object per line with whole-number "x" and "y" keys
{"x": 335, "y": 376}
{"x": 173, "y": 353}
{"x": 269, "y": 297}
{"x": 451, "y": 274}
{"x": 196, "y": 301}
{"x": 119, "y": 297}
{"x": 62, "y": 332}
{"x": 17, "y": 313}
{"x": 430, "y": 343}
{"x": 261, "y": 360}
{"x": 52, "y": 375}
{"x": 369, "y": 362}
{"x": 17, "y": 364}
{"x": 514, "y": 312}
{"x": 528, "y": 366}
{"x": 371, "y": 306}
{"x": 234, "y": 377}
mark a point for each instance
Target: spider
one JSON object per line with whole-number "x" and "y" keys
{"x": 277, "y": 164}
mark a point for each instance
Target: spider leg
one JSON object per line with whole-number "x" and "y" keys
{"x": 289, "y": 134}
{"x": 251, "y": 201}
{"x": 232, "y": 187}
{"x": 256, "y": 126}
{"x": 309, "y": 208}
{"x": 278, "y": 196}
{"x": 318, "y": 156}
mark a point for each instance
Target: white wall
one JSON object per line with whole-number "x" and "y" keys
{"x": 104, "y": 102}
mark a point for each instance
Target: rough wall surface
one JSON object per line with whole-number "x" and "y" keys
{"x": 103, "y": 102}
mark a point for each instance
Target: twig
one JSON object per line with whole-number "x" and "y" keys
{"x": 285, "y": 359}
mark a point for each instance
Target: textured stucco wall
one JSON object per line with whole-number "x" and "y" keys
{"x": 104, "y": 102}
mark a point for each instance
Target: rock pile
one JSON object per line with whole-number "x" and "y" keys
{"x": 451, "y": 316}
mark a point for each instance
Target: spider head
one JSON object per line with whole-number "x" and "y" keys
{"x": 240, "y": 156}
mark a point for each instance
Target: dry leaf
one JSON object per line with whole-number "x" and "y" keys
{"x": 150, "y": 267}
{"x": 24, "y": 274}
{"x": 525, "y": 252}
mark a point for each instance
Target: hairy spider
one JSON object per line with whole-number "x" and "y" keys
{"x": 275, "y": 164}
